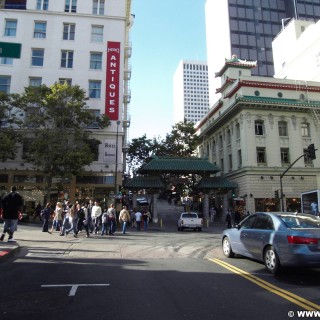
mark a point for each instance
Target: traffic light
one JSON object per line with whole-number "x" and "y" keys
{"x": 233, "y": 193}
{"x": 276, "y": 194}
{"x": 311, "y": 152}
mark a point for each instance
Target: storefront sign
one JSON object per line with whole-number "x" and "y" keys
{"x": 112, "y": 80}
{"x": 110, "y": 149}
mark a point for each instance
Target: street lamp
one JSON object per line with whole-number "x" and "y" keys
{"x": 116, "y": 173}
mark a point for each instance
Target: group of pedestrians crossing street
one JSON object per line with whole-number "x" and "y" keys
{"x": 91, "y": 219}
{"x": 67, "y": 218}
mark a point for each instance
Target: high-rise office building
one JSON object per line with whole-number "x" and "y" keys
{"x": 246, "y": 28}
{"x": 190, "y": 91}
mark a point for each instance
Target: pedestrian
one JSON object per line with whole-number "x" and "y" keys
{"x": 11, "y": 206}
{"x": 89, "y": 219}
{"x": 314, "y": 208}
{"x": 112, "y": 215}
{"x": 146, "y": 218}
{"x": 124, "y": 218}
{"x": 37, "y": 212}
{"x": 138, "y": 216}
{"x": 105, "y": 223}
{"x": 96, "y": 213}
{"x": 81, "y": 216}
{"x": 46, "y": 215}
{"x": 73, "y": 220}
{"x": 57, "y": 218}
{"x": 228, "y": 219}
{"x": 67, "y": 219}
{"x": 133, "y": 219}
{"x": 213, "y": 213}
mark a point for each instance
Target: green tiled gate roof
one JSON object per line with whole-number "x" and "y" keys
{"x": 179, "y": 165}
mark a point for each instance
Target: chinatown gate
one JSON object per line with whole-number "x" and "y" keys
{"x": 150, "y": 179}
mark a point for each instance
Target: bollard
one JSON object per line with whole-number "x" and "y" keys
{"x": 161, "y": 223}
{"x": 207, "y": 223}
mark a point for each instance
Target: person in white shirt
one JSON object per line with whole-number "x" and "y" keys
{"x": 138, "y": 216}
{"x": 96, "y": 212}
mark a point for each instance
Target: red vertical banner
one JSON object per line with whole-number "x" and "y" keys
{"x": 112, "y": 80}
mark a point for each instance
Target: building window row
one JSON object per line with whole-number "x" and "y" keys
{"x": 40, "y": 30}
{"x": 94, "y": 85}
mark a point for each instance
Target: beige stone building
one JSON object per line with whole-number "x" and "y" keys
{"x": 257, "y": 129}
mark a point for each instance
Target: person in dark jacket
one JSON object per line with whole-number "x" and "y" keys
{"x": 11, "y": 206}
{"x": 45, "y": 215}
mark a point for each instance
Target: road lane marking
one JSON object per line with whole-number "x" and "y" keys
{"x": 306, "y": 304}
{"x": 74, "y": 287}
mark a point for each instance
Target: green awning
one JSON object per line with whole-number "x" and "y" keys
{"x": 144, "y": 183}
{"x": 217, "y": 183}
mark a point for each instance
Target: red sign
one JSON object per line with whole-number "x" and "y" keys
{"x": 112, "y": 81}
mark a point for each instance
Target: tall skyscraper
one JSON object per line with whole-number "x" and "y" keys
{"x": 247, "y": 27}
{"x": 190, "y": 91}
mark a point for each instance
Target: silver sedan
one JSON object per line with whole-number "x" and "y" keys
{"x": 278, "y": 239}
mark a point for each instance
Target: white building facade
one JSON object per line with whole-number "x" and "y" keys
{"x": 190, "y": 91}
{"x": 81, "y": 42}
{"x": 255, "y": 131}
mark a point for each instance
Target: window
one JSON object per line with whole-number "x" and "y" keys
{"x": 40, "y": 29}
{"x": 238, "y": 130}
{"x": 94, "y": 124}
{"x": 15, "y": 4}
{"x": 305, "y": 129}
{"x": 97, "y": 33}
{"x": 261, "y": 155}
{"x": 42, "y": 5}
{"x": 66, "y": 59}
{"x": 70, "y": 6}
{"x": 10, "y": 28}
{"x": 259, "y": 127}
{"x": 68, "y": 31}
{"x": 283, "y": 129}
{"x": 228, "y": 137}
{"x": 5, "y": 60}
{"x": 98, "y": 7}
{"x": 5, "y": 82}
{"x": 96, "y": 60}
{"x": 94, "y": 89}
{"x": 239, "y": 158}
{"x": 263, "y": 223}
{"x": 284, "y": 156}
{"x": 65, "y": 80}
{"x": 35, "y": 81}
{"x": 37, "y": 57}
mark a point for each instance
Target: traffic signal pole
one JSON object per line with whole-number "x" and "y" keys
{"x": 310, "y": 152}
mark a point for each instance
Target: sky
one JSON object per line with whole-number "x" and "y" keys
{"x": 164, "y": 32}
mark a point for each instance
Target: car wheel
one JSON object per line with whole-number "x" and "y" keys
{"x": 226, "y": 247}
{"x": 271, "y": 260}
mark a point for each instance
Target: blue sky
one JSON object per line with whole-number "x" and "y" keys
{"x": 164, "y": 32}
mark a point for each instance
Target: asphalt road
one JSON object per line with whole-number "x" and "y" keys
{"x": 159, "y": 274}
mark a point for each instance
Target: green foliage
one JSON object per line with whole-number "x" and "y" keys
{"x": 9, "y": 126}
{"x": 182, "y": 141}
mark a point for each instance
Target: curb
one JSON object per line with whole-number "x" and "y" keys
{"x": 6, "y": 252}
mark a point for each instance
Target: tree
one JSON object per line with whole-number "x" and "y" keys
{"x": 58, "y": 142}
{"x": 182, "y": 141}
{"x": 10, "y": 135}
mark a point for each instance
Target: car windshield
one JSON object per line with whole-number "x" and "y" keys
{"x": 300, "y": 222}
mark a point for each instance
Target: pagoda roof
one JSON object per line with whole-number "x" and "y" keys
{"x": 141, "y": 182}
{"x": 236, "y": 62}
{"x": 179, "y": 165}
